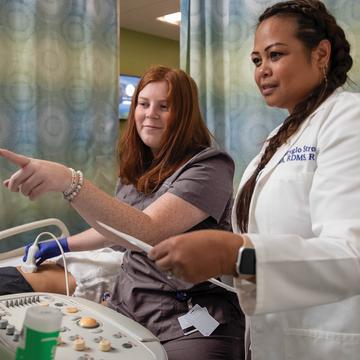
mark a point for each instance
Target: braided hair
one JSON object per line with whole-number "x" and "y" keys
{"x": 314, "y": 23}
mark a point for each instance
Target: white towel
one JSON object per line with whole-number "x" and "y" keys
{"x": 94, "y": 271}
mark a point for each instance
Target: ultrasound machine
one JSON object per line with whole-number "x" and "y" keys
{"x": 89, "y": 331}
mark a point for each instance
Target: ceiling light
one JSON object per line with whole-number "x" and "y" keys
{"x": 174, "y": 18}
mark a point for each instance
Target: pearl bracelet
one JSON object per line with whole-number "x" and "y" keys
{"x": 72, "y": 185}
{"x": 75, "y": 186}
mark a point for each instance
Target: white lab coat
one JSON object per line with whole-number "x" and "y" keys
{"x": 304, "y": 222}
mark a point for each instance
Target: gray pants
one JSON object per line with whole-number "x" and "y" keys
{"x": 196, "y": 346}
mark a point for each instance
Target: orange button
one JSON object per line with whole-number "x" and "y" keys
{"x": 88, "y": 322}
{"x": 72, "y": 309}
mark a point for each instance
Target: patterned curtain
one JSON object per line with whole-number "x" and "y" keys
{"x": 215, "y": 44}
{"x": 58, "y": 97}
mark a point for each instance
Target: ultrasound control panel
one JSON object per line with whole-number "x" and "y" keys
{"x": 89, "y": 331}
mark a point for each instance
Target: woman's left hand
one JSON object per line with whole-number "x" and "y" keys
{"x": 36, "y": 177}
{"x": 198, "y": 256}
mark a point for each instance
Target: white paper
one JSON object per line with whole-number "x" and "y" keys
{"x": 131, "y": 239}
{"x": 146, "y": 247}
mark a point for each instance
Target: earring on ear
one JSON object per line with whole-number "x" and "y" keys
{"x": 324, "y": 69}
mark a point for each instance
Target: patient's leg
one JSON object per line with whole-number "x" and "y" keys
{"x": 12, "y": 282}
{"x": 49, "y": 277}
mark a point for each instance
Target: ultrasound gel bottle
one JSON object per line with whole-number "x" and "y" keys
{"x": 40, "y": 333}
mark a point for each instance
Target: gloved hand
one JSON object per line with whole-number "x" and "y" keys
{"x": 47, "y": 250}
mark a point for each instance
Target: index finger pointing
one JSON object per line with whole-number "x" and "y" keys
{"x": 16, "y": 159}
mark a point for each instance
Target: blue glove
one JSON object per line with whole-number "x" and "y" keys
{"x": 47, "y": 250}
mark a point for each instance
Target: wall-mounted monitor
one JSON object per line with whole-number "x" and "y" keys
{"x": 127, "y": 85}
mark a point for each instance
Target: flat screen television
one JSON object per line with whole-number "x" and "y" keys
{"x": 127, "y": 85}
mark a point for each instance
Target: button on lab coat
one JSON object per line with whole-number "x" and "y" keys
{"x": 304, "y": 221}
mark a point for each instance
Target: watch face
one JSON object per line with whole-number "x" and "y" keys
{"x": 247, "y": 262}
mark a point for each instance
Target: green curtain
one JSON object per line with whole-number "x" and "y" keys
{"x": 58, "y": 97}
{"x": 216, "y": 40}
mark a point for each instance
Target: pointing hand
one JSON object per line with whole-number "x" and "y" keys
{"x": 35, "y": 177}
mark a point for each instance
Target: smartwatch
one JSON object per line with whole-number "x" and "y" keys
{"x": 246, "y": 261}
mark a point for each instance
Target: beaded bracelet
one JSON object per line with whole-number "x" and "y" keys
{"x": 76, "y": 187}
{"x": 73, "y": 183}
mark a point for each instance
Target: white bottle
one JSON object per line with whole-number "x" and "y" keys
{"x": 40, "y": 333}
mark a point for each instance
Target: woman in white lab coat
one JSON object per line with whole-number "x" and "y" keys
{"x": 298, "y": 205}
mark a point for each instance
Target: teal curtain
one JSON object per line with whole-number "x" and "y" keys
{"x": 58, "y": 97}
{"x": 216, "y": 40}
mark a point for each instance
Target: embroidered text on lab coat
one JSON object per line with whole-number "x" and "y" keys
{"x": 297, "y": 153}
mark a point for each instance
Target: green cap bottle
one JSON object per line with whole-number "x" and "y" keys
{"x": 40, "y": 334}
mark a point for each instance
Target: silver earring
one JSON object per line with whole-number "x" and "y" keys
{"x": 324, "y": 69}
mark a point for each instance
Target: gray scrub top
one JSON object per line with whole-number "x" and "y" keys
{"x": 146, "y": 294}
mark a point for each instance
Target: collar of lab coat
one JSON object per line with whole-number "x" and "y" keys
{"x": 273, "y": 163}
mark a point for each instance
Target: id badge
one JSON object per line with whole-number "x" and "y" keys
{"x": 186, "y": 326}
{"x": 198, "y": 319}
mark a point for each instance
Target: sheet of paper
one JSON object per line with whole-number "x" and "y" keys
{"x": 131, "y": 239}
{"x": 146, "y": 247}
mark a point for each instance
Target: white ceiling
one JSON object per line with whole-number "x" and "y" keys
{"x": 140, "y": 15}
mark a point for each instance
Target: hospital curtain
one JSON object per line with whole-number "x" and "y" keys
{"x": 58, "y": 97}
{"x": 215, "y": 45}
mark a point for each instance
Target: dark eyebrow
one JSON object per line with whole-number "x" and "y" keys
{"x": 269, "y": 47}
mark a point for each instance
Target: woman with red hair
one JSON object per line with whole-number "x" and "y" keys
{"x": 171, "y": 180}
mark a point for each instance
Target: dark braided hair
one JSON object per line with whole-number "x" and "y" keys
{"x": 314, "y": 23}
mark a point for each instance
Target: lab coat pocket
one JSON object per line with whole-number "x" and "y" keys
{"x": 305, "y": 344}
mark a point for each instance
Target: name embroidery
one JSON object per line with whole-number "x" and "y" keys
{"x": 305, "y": 153}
